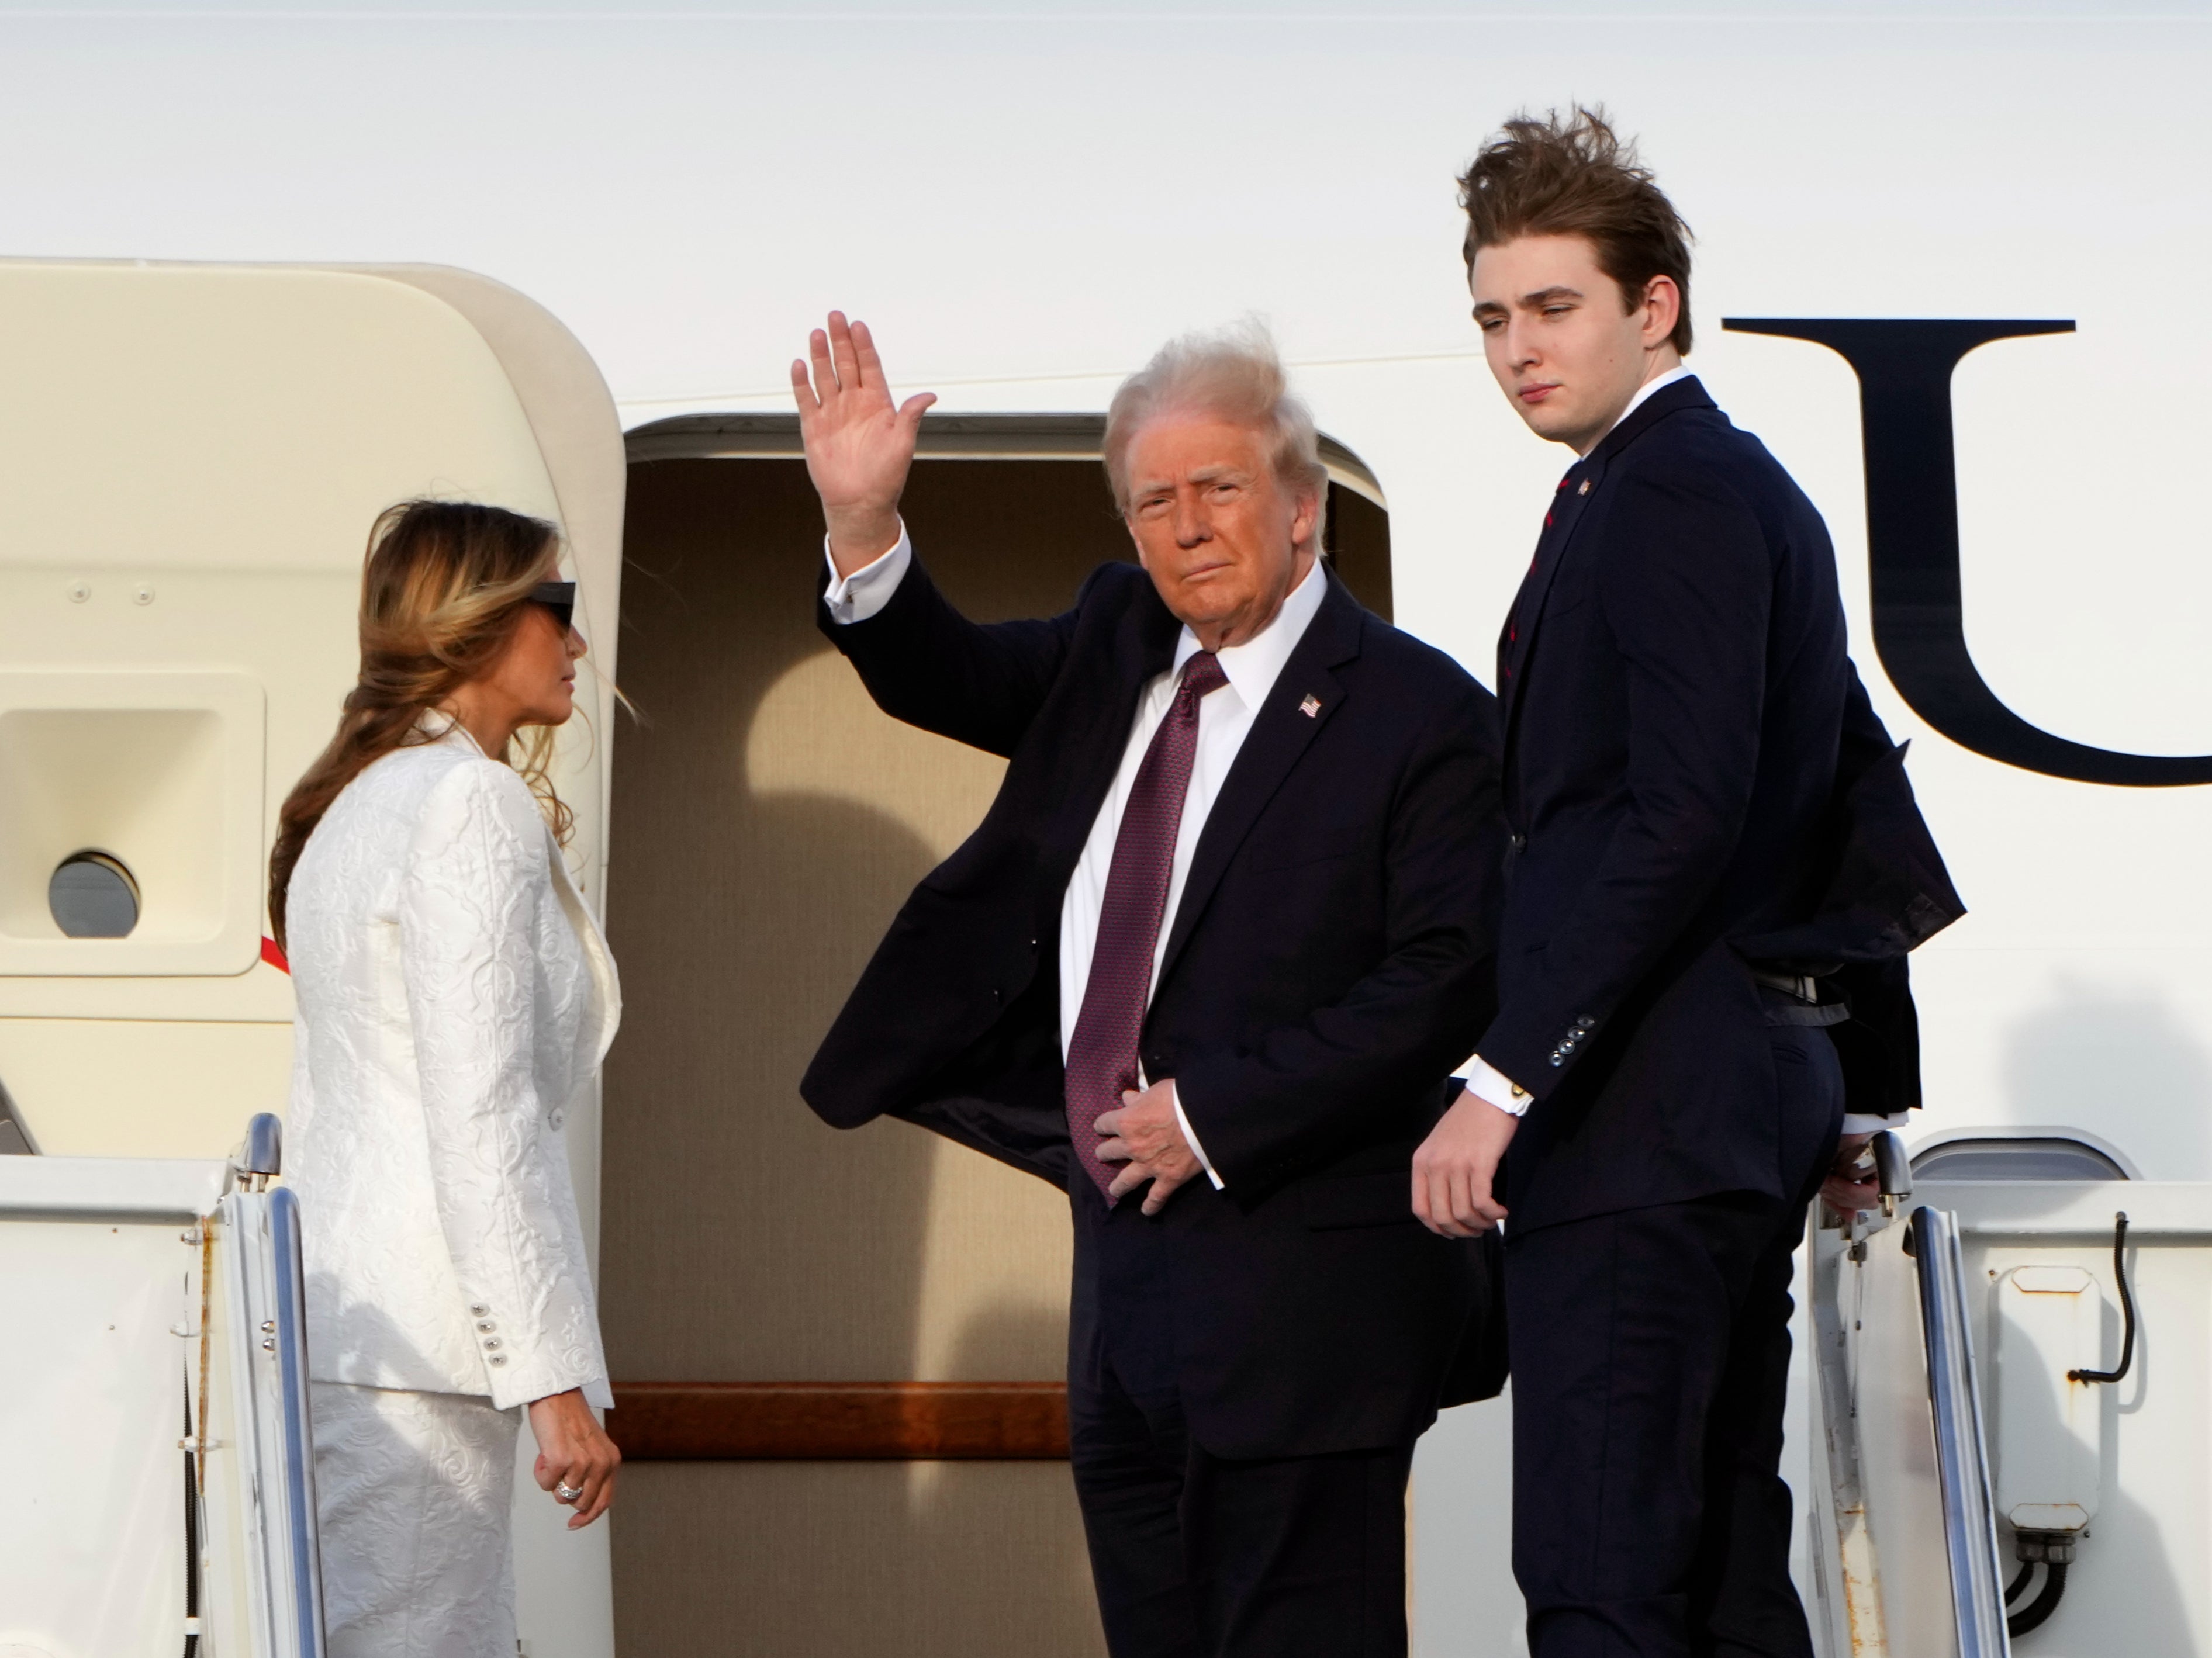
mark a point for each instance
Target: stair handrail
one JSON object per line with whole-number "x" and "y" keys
{"x": 1962, "y": 1462}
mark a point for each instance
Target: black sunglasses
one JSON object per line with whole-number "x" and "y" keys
{"x": 558, "y": 596}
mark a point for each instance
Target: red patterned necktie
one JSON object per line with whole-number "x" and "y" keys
{"x": 1101, "y": 1054}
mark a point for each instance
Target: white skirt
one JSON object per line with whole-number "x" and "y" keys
{"x": 414, "y": 1491}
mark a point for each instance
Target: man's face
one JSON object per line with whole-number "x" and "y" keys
{"x": 1566, "y": 353}
{"x": 1222, "y": 537}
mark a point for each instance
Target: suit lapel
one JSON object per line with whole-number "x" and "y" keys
{"x": 1280, "y": 734}
{"x": 600, "y": 960}
{"x": 1519, "y": 630}
{"x": 1517, "y": 640}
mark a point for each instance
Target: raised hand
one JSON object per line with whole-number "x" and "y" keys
{"x": 859, "y": 446}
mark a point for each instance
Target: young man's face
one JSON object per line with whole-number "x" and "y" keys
{"x": 1566, "y": 351}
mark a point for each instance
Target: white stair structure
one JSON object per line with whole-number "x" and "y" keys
{"x": 161, "y": 1467}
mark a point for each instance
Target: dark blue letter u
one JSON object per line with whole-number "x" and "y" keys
{"x": 1912, "y": 542}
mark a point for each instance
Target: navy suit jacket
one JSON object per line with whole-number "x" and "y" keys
{"x": 1684, "y": 732}
{"x": 1328, "y": 965}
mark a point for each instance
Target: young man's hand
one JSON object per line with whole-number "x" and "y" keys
{"x": 1456, "y": 1170}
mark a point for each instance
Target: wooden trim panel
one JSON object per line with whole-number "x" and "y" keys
{"x": 839, "y": 1421}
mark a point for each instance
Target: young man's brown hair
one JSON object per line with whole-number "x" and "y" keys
{"x": 1575, "y": 177}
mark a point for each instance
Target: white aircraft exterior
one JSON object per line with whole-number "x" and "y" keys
{"x": 1025, "y": 201}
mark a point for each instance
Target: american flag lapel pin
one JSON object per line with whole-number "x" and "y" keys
{"x": 1312, "y": 707}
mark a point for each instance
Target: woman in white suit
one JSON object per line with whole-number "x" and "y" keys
{"x": 454, "y": 998}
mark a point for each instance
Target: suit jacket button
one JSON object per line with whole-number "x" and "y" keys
{"x": 1519, "y": 841}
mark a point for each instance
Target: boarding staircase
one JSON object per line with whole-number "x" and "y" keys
{"x": 154, "y": 1397}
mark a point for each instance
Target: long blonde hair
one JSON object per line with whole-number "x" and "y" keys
{"x": 443, "y": 590}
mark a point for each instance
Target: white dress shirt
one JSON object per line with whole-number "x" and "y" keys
{"x": 1650, "y": 389}
{"x": 1484, "y": 1079}
{"x": 1224, "y": 719}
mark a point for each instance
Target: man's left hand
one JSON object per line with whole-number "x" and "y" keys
{"x": 1145, "y": 1135}
{"x": 1850, "y": 1187}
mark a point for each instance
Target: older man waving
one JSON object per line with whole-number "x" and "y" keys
{"x": 1206, "y": 964}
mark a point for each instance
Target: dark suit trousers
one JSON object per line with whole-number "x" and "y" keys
{"x": 1196, "y": 1556}
{"x": 1651, "y": 1357}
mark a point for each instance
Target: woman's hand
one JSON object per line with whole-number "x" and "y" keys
{"x": 573, "y": 1454}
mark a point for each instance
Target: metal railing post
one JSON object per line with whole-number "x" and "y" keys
{"x": 1970, "y": 1536}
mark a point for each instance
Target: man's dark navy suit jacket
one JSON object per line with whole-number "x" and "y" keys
{"x": 1687, "y": 752}
{"x": 1328, "y": 964}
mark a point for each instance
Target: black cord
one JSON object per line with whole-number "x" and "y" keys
{"x": 191, "y": 1533}
{"x": 2127, "y": 1308}
{"x": 2032, "y": 1615}
{"x": 2018, "y": 1587}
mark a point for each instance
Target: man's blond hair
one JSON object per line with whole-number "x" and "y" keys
{"x": 1235, "y": 373}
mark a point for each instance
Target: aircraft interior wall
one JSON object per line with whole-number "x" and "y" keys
{"x": 767, "y": 822}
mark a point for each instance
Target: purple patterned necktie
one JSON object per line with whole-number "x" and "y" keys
{"x": 1101, "y": 1054}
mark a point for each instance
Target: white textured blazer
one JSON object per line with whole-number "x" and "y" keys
{"x": 455, "y": 997}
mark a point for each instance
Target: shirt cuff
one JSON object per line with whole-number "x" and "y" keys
{"x": 859, "y": 596}
{"x": 1190, "y": 1138}
{"x": 1865, "y": 1122}
{"x": 1486, "y": 1082}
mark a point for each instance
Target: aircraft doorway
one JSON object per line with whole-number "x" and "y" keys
{"x": 767, "y": 822}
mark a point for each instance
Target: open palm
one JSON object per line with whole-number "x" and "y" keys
{"x": 859, "y": 446}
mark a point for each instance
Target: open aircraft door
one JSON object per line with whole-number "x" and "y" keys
{"x": 839, "y": 1357}
{"x": 191, "y": 457}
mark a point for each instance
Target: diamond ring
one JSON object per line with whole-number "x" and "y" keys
{"x": 567, "y": 1493}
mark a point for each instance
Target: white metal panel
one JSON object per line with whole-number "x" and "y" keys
{"x": 2045, "y": 1322}
{"x": 92, "y": 1557}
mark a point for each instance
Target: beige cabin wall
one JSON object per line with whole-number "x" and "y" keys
{"x": 142, "y": 1087}
{"x": 852, "y": 1560}
{"x": 767, "y": 822}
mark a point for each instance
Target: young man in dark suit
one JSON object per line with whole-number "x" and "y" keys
{"x": 1208, "y": 964}
{"x": 1687, "y": 747}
